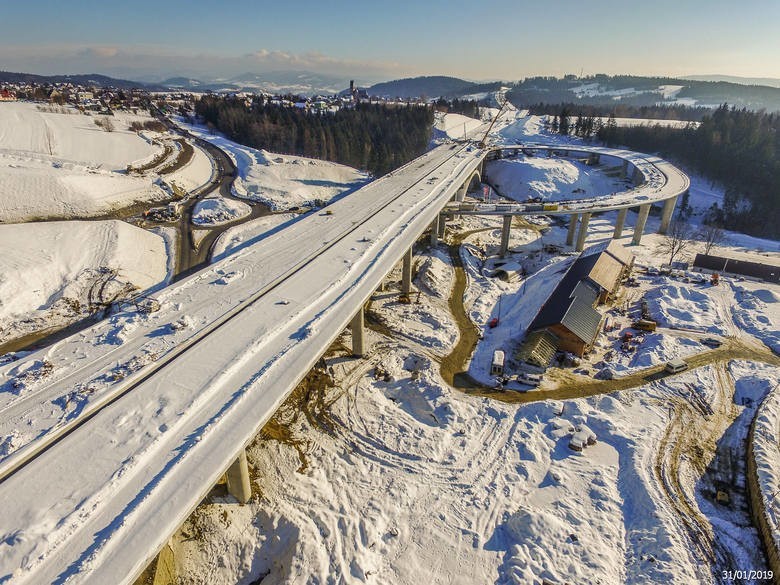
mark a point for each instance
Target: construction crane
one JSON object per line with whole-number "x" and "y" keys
{"x": 483, "y": 142}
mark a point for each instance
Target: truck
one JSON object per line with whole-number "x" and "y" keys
{"x": 645, "y": 325}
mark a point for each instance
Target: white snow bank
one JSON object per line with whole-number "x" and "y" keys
{"x": 218, "y": 211}
{"x": 54, "y": 265}
{"x": 685, "y": 306}
{"x": 72, "y": 136}
{"x": 31, "y": 188}
{"x": 453, "y": 126}
{"x": 758, "y": 312}
{"x": 554, "y": 179}
{"x": 766, "y": 446}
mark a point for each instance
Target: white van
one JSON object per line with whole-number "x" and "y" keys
{"x": 529, "y": 379}
{"x": 676, "y": 366}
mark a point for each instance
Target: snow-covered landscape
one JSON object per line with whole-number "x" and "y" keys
{"x": 409, "y": 464}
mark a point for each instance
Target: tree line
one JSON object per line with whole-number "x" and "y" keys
{"x": 373, "y": 137}
{"x": 736, "y": 148}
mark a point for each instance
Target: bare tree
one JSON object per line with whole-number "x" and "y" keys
{"x": 105, "y": 123}
{"x": 711, "y": 236}
{"x": 676, "y": 241}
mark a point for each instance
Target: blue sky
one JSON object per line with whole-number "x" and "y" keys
{"x": 501, "y": 39}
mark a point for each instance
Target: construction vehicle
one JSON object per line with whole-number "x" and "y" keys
{"x": 645, "y": 325}
{"x": 715, "y": 279}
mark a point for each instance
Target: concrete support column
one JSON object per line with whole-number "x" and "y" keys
{"x": 238, "y": 479}
{"x": 406, "y": 278}
{"x": 572, "y": 228}
{"x": 621, "y": 221}
{"x": 666, "y": 215}
{"x": 641, "y": 220}
{"x": 357, "y": 327}
{"x": 505, "y": 233}
{"x": 583, "y": 232}
{"x": 442, "y": 225}
{"x": 435, "y": 231}
{"x": 460, "y": 194}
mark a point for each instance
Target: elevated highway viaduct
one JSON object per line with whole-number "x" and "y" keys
{"x": 128, "y": 425}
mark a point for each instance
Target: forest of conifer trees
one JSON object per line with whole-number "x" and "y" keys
{"x": 371, "y": 137}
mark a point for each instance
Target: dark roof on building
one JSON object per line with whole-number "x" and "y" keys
{"x": 571, "y": 303}
{"x": 767, "y": 270}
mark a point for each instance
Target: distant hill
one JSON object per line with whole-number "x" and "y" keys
{"x": 766, "y": 81}
{"x": 631, "y": 90}
{"x": 93, "y": 79}
{"x": 434, "y": 86}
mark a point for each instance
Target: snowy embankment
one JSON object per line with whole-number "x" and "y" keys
{"x": 757, "y": 311}
{"x": 61, "y": 165}
{"x": 453, "y": 126}
{"x": 284, "y": 182}
{"x": 766, "y": 453}
{"x": 218, "y": 211}
{"x": 51, "y": 278}
{"x": 553, "y": 179}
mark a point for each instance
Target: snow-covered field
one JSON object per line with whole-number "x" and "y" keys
{"x": 51, "y": 273}
{"x": 392, "y": 476}
{"x": 61, "y": 165}
{"x": 284, "y": 182}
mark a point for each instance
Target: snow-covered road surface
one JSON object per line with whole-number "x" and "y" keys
{"x": 103, "y": 522}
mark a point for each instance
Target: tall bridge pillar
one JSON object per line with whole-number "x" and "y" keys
{"x": 583, "y": 232}
{"x": 506, "y": 229}
{"x": 442, "y": 225}
{"x": 666, "y": 215}
{"x": 406, "y": 273}
{"x": 238, "y": 484}
{"x": 435, "y": 230}
{"x": 572, "y": 228}
{"x": 621, "y": 221}
{"x": 641, "y": 220}
{"x": 357, "y": 327}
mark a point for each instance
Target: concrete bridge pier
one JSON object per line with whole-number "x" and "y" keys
{"x": 621, "y": 221}
{"x": 572, "y": 228}
{"x": 435, "y": 230}
{"x": 666, "y": 215}
{"x": 406, "y": 273}
{"x": 358, "y": 329}
{"x": 237, "y": 475}
{"x": 641, "y": 220}
{"x": 506, "y": 229}
{"x": 442, "y": 225}
{"x": 583, "y": 232}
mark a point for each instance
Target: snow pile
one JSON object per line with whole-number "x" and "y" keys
{"x": 758, "y": 312}
{"x": 766, "y": 450}
{"x": 685, "y": 306}
{"x": 554, "y": 179}
{"x": 48, "y": 275}
{"x": 284, "y": 182}
{"x": 218, "y": 211}
{"x": 435, "y": 275}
